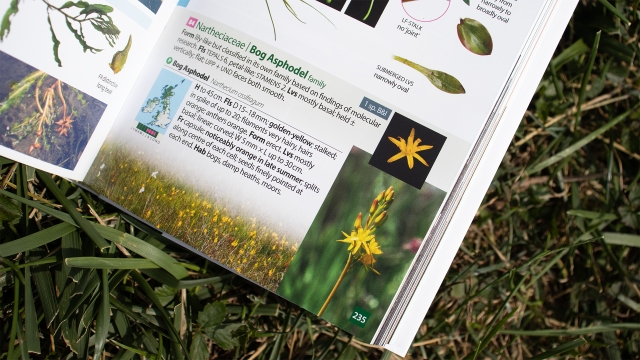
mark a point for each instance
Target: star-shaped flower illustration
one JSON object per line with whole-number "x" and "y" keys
{"x": 409, "y": 148}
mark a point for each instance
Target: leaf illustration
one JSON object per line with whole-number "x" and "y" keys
{"x": 5, "y": 26}
{"x": 467, "y": 2}
{"x": 439, "y": 79}
{"x": 475, "y": 37}
{"x": 56, "y": 43}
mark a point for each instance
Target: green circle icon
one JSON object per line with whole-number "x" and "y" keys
{"x": 169, "y": 60}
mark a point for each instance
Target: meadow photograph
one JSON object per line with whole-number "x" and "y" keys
{"x": 201, "y": 220}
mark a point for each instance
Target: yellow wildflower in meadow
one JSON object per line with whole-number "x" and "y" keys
{"x": 362, "y": 239}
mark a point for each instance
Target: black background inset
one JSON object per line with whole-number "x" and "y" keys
{"x": 358, "y": 9}
{"x": 335, "y": 4}
{"x": 400, "y": 126}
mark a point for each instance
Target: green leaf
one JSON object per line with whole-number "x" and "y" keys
{"x": 622, "y": 239}
{"x": 223, "y": 336}
{"x": 614, "y": 10}
{"x": 578, "y": 331}
{"x": 592, "y": 215}
{"x": 104, "y": 318}
{"x": 578, "y": 144}
{"x": 143, "y": 249}
{"x": 56, "y": 43}
{"x": 30, "y": 316}
{"x": 37, "y": 239}
{"x": 89, "y": 262}
{"x": 165, "y": 294}
{"x": 5, "y": 26}
{"x": 83, "y": 223}
{"x": 212, "y": 315}
{"x": 439, "y": 79}
{"x": 8, "y": 210}
{"x": 199, "y": 349}
{"x": 146, "y": 288}
{"x": 576, "y": 49}
{"x": 560, "y": 349}
{"x": 45, "y": 209}
{"x": 586, "y": 77}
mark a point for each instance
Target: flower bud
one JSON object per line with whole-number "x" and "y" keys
{"x": 475, "y": 37}
{"x": 374, "y": 207}
{"x": 380, "y": 219}
{"x": 389, "y": 195}
{"x": 358, "y": 223}
{"x": 380, "y": 196}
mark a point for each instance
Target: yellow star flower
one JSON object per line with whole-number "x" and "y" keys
{"x": 409, "y": 148}
{"x": 358, "y": 238}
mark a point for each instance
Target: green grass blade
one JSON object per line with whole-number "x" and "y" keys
{"x": 83, "y": 223}
{"x": 621, "y": 239}
{"x": 45, "y": 209}
{"x": 614, "y": 11}
{"x": 146, "y": 288}
{"x": 560, "y": 349}
{"x": 592, "y": 215}
{"x": 143, "y": 249}
{"x": 576, "y": 49}
{"x": 36, "y": 239}
{"x": 586, "y": 77}
{"x": 30, "y": 316}
{"x": 579, "y": 331}
{"x": 579, "y": 144}
{"x": 103, "y": 320}
{"x": 44, "y": 285}
{"x": 109, "y": 263}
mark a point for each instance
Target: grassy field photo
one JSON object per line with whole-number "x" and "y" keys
{"x": 198, "y": 219}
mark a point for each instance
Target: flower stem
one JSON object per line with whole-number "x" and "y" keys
{"x": 368, "y": 12}
{"x": 335, "y": 287}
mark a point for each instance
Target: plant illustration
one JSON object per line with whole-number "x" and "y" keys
{"x": 293, "y": 12}
{"x": 475, "y": 37}
{"x": 409, "y": 149}
{"x": 80, "y": 18}
{"x": 439, "y": 79}
{"x": 50, "y": 109}
{"x": 120, "y": 57}
{"x": 362, "y": 240}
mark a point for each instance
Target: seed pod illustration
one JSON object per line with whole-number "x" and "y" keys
{"x": 475, "y": 37}
{"x": 120, "y": 58}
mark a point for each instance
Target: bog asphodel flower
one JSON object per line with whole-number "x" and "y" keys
{"x": 358, "y": 238}
{"x": 409, "y": 149}
{"x": 362, "y": 240}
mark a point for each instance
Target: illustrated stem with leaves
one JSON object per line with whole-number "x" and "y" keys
{"x": 78, "y": 16}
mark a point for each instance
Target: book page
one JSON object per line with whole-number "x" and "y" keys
{"x": 66, "y": 69}
{"x": 310, "y": 146}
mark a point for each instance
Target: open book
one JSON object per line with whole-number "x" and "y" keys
{"x": 319, "y": 149}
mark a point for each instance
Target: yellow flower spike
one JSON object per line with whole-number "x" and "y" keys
{"x": 358, "y": 223}
{"x": 409, "y": 149}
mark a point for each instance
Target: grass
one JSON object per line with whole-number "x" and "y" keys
{"x": 549, "y": 268}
